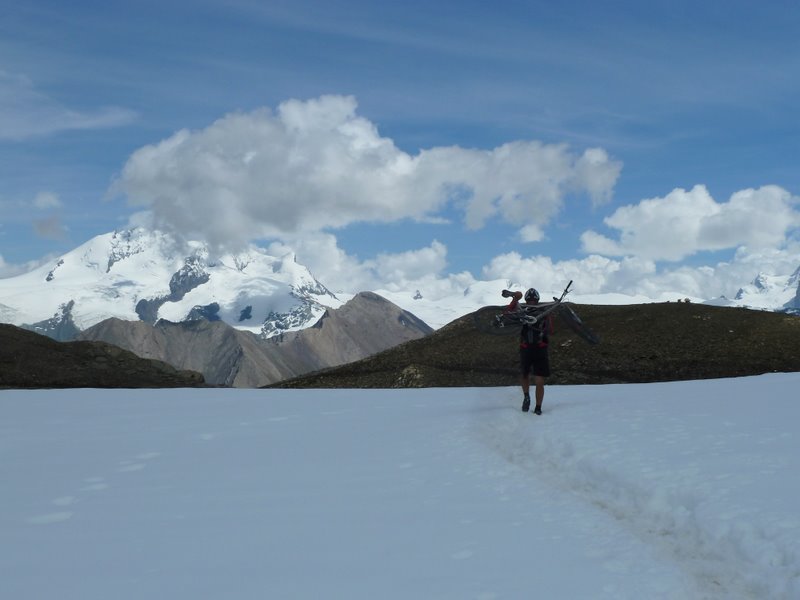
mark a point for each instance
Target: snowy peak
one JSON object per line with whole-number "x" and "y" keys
{"x": 771, "y": 292}
{"x": 125, "y": 244}
{"x": 794, "y": 282}
{"x": 139, "y": 274}
{"x": 794, "y": 278}
{"x": 302, "y": 281}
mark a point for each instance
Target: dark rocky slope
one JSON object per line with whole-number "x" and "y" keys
{"x": 30, "y": 360}
{"x": 639, "y": 343}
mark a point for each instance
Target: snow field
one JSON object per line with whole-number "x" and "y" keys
{"x": 716, "y": 498}
{"x": 679, "y": 490}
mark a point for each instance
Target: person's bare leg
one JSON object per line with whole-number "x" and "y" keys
{"x": 525, "y": 382}
{"x": 539, "y": 381}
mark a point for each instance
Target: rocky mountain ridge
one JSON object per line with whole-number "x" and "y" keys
{"x": 227, "y": 356}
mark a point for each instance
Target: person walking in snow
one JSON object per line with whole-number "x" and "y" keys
{"x": 533, "y": 350}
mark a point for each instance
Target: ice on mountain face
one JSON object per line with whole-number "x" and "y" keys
{"x": 125, "y": 244}
{"x": 253, "y": 291}
{"x": 7, "y": 314}
{"x": 794, "y": 278}
{"x": 192, "y": 274}
{"x": 286, "y": 263}
{"x": 770, "y": 292}
{"x": 139, "y": 274}
{"x": 302, "y": 282}
{"x": 241, "y": 262}
{"x": 303, "y": 302}
{"x": 794, "y": 283}
{"x": 60, "y": 326}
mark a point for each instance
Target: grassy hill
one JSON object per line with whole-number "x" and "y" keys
{"x": 639, "y": 343}
{"x": 30, "y": 360}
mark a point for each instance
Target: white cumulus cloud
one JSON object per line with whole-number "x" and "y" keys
{"x": 592, "y": 272}
{"x": 633, "y": 276}
{"x": 340, "y": 271}
{"x": 412, "y": 265}
{"x": 314, "y": 165}
{"x": 686, "y": 222}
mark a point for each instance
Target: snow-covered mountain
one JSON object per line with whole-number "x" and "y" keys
{"x": 437, "y": 309}
{"x": 767, "y": 292}
{"x": 137, "y": 274}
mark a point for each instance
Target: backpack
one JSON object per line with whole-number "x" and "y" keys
{"x": 537, "y": 334}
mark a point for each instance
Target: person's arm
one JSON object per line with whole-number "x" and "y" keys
{"x": 515, "y": 298}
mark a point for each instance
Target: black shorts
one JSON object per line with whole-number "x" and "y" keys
{"x": 534, "y": 359}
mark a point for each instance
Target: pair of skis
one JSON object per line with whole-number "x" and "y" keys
{"x": 499, "y": 320}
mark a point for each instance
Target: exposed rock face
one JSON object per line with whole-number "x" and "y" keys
{"x": 227, "y": 356}
{"x": 60, "y": 326}
{"x": 277, "y": 322}
{"x": 364, "y": 326}
{"x": 191, "y": 275}
{"x": 30, "y": 360}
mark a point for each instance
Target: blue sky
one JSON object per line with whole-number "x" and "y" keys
{"x": 527, "y": 140}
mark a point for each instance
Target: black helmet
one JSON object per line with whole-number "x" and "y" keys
{"x": 531, "y": 296}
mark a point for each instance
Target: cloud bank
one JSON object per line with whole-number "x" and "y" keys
{"x": 633, "y": 276}
{"x": 317, "y": 165}
{"x": 294, "y": 175}
{"x": 684, "y": 223}
{"x": 425, "y": 269}
{"x": 596, "y": 273}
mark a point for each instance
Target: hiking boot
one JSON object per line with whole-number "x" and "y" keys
{"x": 526, "y": 404}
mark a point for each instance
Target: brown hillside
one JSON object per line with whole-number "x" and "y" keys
{"x": 230, "y": 357}
{"x": 639, "y": 343}
{"x": 30, "y": 360}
